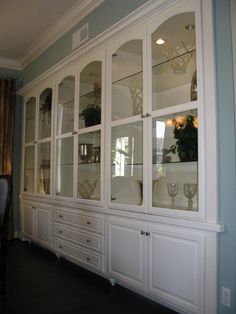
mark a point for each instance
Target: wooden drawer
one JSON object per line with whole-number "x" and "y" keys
{"x": 91, "y": 241}
{"x": 80, "y": 254}
{"x": 92, "y": 223}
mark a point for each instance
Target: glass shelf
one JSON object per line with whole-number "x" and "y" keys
{"x": 185, "y": 54}
{"x": 93, "y": 94}
{"x": 128, "y": 80}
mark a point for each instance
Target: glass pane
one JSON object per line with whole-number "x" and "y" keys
{"x": 43, "y": 169}
{"x": 65, "y": 106}
{"x": 127, "y": 164}
{"x": 175, "y": 161}
{"x": 64, "y": 167}
{"x": 30, "y": 120}
{"x": 29, "y": 169}
{"x": 90, "y": 95}
{"x": 89, "y": 166}
{"x": 174, "y": 78}
{"x": 127, "y": 80}
{"x": 45, "y": 113}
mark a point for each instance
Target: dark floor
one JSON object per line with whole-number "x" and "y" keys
{"x": 39, "y": 283}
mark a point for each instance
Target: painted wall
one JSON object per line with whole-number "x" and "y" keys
{"x": 4, "y": 73}
{"x": 226, "y": 140}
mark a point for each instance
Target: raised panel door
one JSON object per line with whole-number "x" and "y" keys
{"x": 127, "y": 252}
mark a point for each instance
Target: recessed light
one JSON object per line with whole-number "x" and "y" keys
{"x": 160, "y": 41}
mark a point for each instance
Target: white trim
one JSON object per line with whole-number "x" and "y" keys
{"x": 10, "y": 63}
{"x": 210, "y": 120}
{"x": 58, "y": 29}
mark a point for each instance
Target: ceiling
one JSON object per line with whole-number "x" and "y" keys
{"x": 26, "y": 24}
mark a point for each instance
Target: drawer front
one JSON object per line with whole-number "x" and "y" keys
{"x": 95, "y": 242}
{"x": 84, "y": 256}
{"x": 88, "y": 222}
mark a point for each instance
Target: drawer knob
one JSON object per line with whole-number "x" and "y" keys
{"x": 60, "y": 231}
{"x": 88, "y": 222}
{"x": 60, "y": 216}
{"x": 88, "y": 258}
{"x": 88, "y": 241}
{"x": 60, "y": 246}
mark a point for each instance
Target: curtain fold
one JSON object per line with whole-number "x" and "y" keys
{"x": 7, "y": 114}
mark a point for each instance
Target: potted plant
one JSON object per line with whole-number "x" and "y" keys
{"x": 186, "y": 133}
{"x": 91, "y": 115}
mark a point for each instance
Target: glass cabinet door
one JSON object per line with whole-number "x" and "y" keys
{"x": 89, "y": 133}
{"x": 29, "y": 169}
{"x": 30, "y": 120}
{"x": 175, "y": 161}
{"x": 45, "y": 114}
{"x": 175, "y": 134}
{"x": 29, "y": 147}
{"x": 126, "y": 174}
{"x": 43, "y": 168}
{"x": 65, "y": 138}
{"x": 89, "y": 165}
{"x": 43, "y": 152}
{"x": 127, "y": 80}
{"x": 65, "y": 106}
{"x": 127, "y": 164}
{"x": 90, "y": 95}
{"x": 174, "y": 74}
{"x": 64, "y": 166}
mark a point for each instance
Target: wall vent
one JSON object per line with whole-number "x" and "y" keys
{"x": 80, "y": 36}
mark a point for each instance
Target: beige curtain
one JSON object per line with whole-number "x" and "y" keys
{"x": 7, "y": 112}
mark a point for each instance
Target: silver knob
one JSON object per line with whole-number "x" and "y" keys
{"x": 148, "y": 115}
{"x": 142, "y": 116}
{"x": 147, "y": 234}
{"x": 142, "y": 232}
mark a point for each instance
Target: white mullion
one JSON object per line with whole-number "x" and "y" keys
{"x": 149, "y": 124}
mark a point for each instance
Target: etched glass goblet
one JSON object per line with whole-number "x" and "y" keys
{"x": 190, "y": 190}
{"x": 173, "y": 189}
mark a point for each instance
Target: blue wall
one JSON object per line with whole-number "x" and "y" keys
{"x": 226, "y": 153}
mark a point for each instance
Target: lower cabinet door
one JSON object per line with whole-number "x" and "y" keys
{"x": 43, "y": 225}
{"x": 126, "y": 258}
{"x": 28, "y": 220}
{"x": 176, "y": 266}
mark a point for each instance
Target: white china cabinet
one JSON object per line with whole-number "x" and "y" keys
{"x": 129, "y": 140}
{"x": 79, "y": 132}
{"x": 155, "y": 124}
{"x": 36, "y": 217}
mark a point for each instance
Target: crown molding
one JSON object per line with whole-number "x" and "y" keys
{"x": 58, "y": 29}
{"x": 9, "y": 63}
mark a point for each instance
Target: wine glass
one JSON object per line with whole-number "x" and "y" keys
{"x": 173, "y": 189}
{"x": 190, "y": 189}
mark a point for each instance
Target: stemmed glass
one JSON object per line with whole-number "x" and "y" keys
{"x": 173, "y": 189}
{"x": 190, "y": 189}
